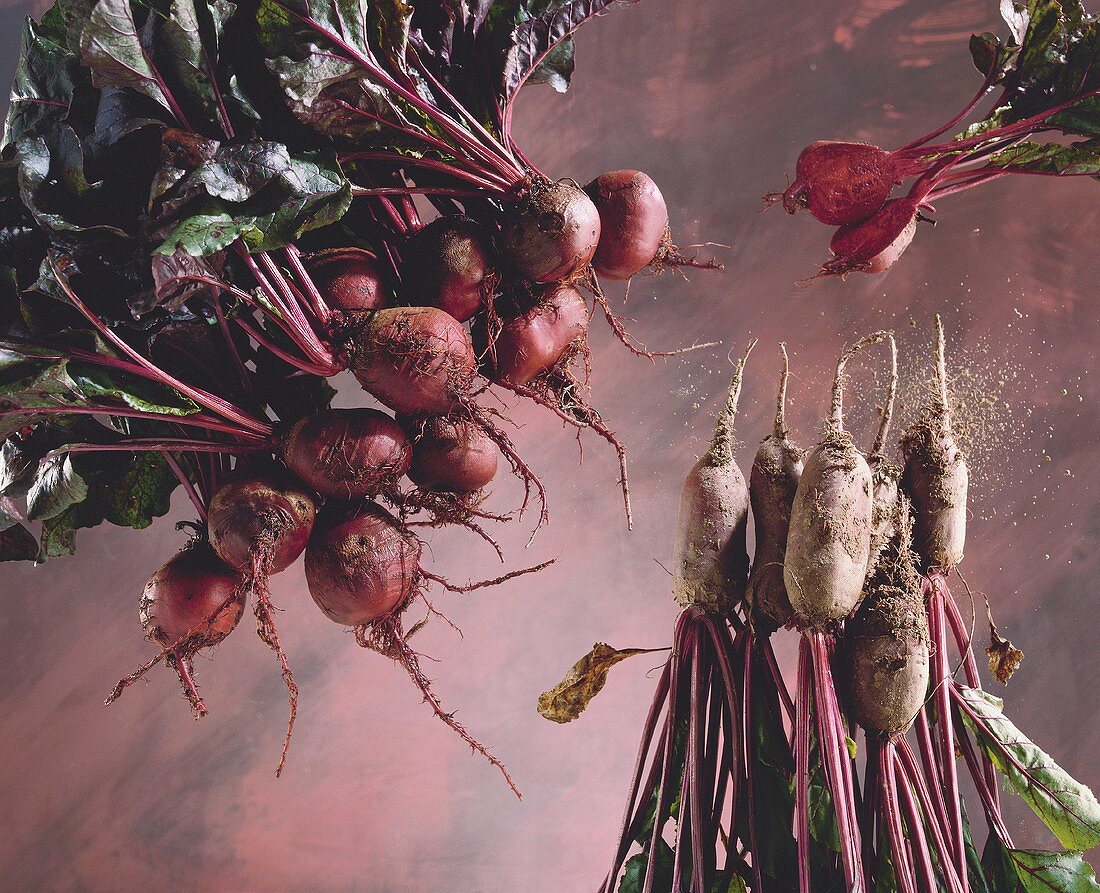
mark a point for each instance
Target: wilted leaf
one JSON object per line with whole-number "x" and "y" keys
{"x": 191, "y": 60}
{"x": 56, "y": 486}
{"x": 1067, "y": 807}
{"x": 1004, "y": 657}
{"x": 585, "y": 679}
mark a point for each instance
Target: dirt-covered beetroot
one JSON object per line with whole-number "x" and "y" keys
{"x": 416, "y": 360}
{"x": 552, "y": 232}
{"x": 841, "y": 183}
{"x": 449, "y": 264}
{"x": 875, "y": 244}
{"x": 936, "y": 476}
{"x": 633, "y": 222}
{"x": 887, "y": 641}
{"x": 360, "y": 564}
{"x": 773, "y": 482}
{"x": 349, "y": 279}
{"x": 451, "y": 455}
{"x": 192, "y": 602}
{"x": 260, "y": 519}
{"x": 193, "y": 597}
{"x": 535, "y": 342}
{"x": 710, "y": 557}
{"x": 829, "y": 543}
{"x": 884, "y": 475}
{"x": 346, "y": 453}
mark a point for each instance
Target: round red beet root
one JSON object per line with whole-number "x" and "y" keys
{"x": 451, "y": 455}
{"x": 841, "y": 183}
{"x": 349, "y": 279}
{"x": 531, "y": 344}
{"x": 416, "y": 360}
{"x": 183, "y": 599}
{"x": 633, "y": 222}
{"x": 874, "y": 245}
{"x": 260, "y": 517}
{"x": 360, "y": 564}
{"x": 346, "y": 453}
{"x": 448, "y": 264}
{"x": 552, "y": 233}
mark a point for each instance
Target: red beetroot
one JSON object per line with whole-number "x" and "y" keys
{"x": 349, "y": 279}
{"x": 414, "y": 359}
{"x": 451, "y": 455}
{"x": 841, "y": 183}
{"x": 449, "y": 264}
{"x": 633, "y": 222}
{"x": 260, "y": 522}
{"x": 551, "y": 233}
{"x": 360, "y": 565}
{"x": 535, "y": 342}
{"x": 347, "y": 453}
{"x": 192, "y": 602}
{"x": 874, "y": 245}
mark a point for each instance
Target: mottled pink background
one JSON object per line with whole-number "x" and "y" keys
{"x": 714, "y": 99}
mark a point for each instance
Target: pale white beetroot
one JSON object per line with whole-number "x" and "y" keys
{"x": 936, "y": 476}
{"x": 829, "y": 544}
{"x": 711, "y": 559}
{"x": 887, "y": 641}
{"x": 884, "y": 473}
{"x": 773, "y": 481}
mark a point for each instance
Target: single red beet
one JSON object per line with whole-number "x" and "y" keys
{"x": 633, "y": 222}
{"x": 841, "y": 183}
{"x": 874, "y": 245}
{"x": 349, "y": 279}
{"x": 416, "y": 360}
{"x": 346, "y": 453}
{"x": 451, "y": 455}
{"x": 535, "y": 342}
{"x": 449, "y": 264}
{"x": 193, "y": 597}
{"x": 361, "y": 565}
{"x": 552, "y": 232}
{"x": 260, "y": 519}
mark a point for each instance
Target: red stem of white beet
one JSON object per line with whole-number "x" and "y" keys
{"x": 803, "y": 689}
{"x": 834, "y": 754}
{"x": 942, "y": 684}
{"x": 891, "y": 817}
{"x": 747, "y": 749}
{"x": 936, "y": 821}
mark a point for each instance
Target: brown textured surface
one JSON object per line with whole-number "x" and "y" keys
{"x": 377, "y": 795}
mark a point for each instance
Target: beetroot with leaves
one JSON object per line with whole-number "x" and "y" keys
{"x": 534, "y": 342}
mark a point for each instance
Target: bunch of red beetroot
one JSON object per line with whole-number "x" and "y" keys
{"x": 208, "y": 209}
{"x": 1044, "y": 121}
{"x": 744, "y": 782}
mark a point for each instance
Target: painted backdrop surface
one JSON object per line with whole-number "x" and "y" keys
{"x": 714, "y": 99}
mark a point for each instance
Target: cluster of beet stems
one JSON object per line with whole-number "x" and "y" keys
{"x": 854, "y": 554}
